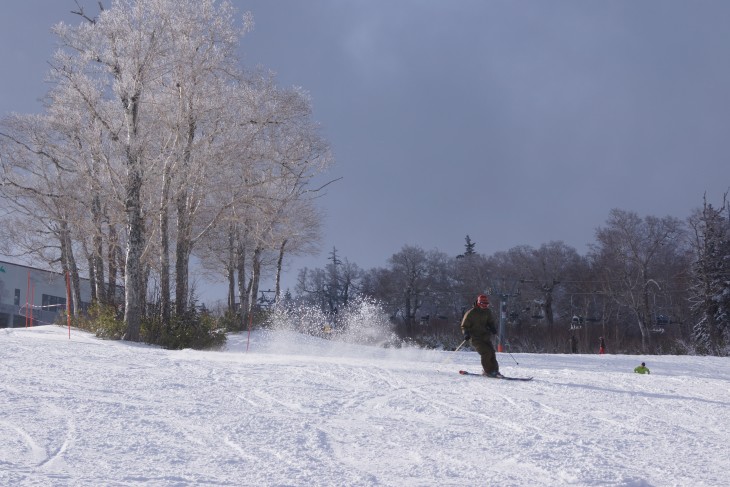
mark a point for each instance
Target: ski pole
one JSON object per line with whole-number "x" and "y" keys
{"x": 513, "y": 358}
{"x": 462, "y": 344}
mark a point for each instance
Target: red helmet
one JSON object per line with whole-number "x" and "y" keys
{"x": 482, "y": 301}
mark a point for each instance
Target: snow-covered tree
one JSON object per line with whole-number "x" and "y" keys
{"x": 710, "y": 294}
{"x": 269, "y": 202}
{"x": 155, "y": 139}
{"x": 40, "y": 186}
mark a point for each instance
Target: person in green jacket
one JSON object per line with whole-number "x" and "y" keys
{"x": 478, "y": 326}
{"x": 642, "y": 369}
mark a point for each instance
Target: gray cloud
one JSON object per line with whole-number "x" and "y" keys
{"x": 517, "y": 122}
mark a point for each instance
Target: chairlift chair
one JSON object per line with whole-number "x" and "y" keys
{"x": 576, "y": 323}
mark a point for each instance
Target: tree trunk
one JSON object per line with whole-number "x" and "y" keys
{"x": 645, "y": 323}
{"x": 279, "y": 262}
{"x": 549, "y": 315}
{"x": 75, "y": 283}
{"x": 231, "y": 268}
{"x": 242, "y": 295}
{"x": 143, "y": 288}
{"x": 182, "y": 264}
{"x": 92, "y": 274}
{"x": 64, "y": 243}
{"x": 184, "y": 228}
{"x": 68, "y": 263}
{"x": 97, "y": 262}
{"x": 113, "y": 250}
{"x": 135, "y": 247}
{"x": 165, "y": 299}
{"x": 255, "y": 278}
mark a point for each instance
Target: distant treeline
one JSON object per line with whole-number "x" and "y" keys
{"x": 649, "y": 285}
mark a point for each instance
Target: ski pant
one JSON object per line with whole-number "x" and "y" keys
{"x": 487, "y": 354}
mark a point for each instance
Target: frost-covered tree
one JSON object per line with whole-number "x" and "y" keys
{"x": 710, "y": 293}
{"x": 188, "y": 142}
{"x": 297, "y": 233}
{"x": 156, "y": 140}
{"x": 270, "y": 209}
{"x": 118, "y": 64}
{"x": 40, "y": 188}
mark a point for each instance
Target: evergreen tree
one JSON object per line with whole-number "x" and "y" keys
{"x": 469, "y": 247}
{"x": 711, "y": 280}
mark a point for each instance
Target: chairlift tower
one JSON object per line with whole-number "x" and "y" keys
{"x": 504, "y": 298}
{"x": 503, "y": 302}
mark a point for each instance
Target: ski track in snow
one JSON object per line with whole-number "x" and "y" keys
{"x": 300, "y": 411}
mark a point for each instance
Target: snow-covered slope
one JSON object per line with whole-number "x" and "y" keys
{"x": 300, "y": 411}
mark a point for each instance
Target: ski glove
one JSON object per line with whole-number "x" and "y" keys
{"x": 466, "y": 336}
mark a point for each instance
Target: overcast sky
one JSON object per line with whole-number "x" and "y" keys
{"x": 516, "y": 122}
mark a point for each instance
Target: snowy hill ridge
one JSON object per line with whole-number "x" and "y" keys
{"x": 301, "y": 411}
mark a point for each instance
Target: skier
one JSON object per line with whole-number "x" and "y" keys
{"x": 478, "y": 326}
{"x": 602, "y": 347}
{"x": 642, "y": 369}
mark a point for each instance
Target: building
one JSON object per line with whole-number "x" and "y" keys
{"x": 43, "y": 291}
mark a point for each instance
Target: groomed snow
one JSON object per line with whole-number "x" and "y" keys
{"x": 300, "y": 411}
